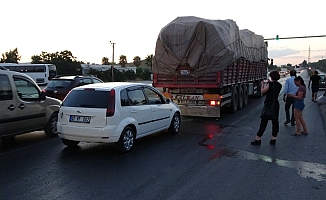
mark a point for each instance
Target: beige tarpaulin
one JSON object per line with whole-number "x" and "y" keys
{"x": 204, "y": 45}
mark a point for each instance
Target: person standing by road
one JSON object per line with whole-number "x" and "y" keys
{"x": 289, "y": 88}
{"x": 272, "y": 90}
{"x": 314, "y": 80}
{"x": 299, "y": 106}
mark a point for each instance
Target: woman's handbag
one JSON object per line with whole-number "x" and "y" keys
{"x": 269, "y": 110}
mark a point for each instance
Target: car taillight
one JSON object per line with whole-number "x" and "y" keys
{"x": 111, "y": 106}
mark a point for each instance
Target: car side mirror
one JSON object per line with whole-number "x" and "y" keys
{"x": 168, "y": 100}
{"x": 42, "y": 96}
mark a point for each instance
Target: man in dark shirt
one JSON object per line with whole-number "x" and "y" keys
{"x": 314, "y": 79}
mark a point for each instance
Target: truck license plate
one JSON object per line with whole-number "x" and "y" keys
{"x": 80, "y": 119}
{"x": 187, "y": 97}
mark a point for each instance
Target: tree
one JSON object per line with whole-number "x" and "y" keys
{"x": 123, "y": 60}
{"x": 139, "y": 71}
{"x": 129, "y": 75}
{"x": 137, "y": 61}
{"x": 146, "y": 75}
{"x": 11, "y": 56}
{"x": 65, "y": 62}
{"x": 304, "y": 64}
{"x": 149, "y": 60}
{"x": 105, "y": 61}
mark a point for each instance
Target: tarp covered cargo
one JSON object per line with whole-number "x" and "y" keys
{"x": 205, "y": 46}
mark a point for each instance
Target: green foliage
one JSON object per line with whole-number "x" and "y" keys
{"x": 146, "y": 75}
{"x": 139, "y": 71}
{"x": 105, "y": 61}
{"x": 137, "y": 61}
{"x": 149, "y": 60}
{"x": 65, "y": 62}
{"x": 123, "y": 60}
{"x": 10, "y": 57}
{"x": 129, "y": 75}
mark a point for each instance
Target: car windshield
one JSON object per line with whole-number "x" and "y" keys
{"x": 59, "y": 83}
{"x": 322, "y": 77}
{"x": 87, "y": 99}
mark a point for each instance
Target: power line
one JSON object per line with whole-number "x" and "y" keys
{"x": 279, "y": 38}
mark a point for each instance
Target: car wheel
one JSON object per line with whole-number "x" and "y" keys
{"x": 175, "y": 124}
{"x": 127, "y": 138}
{"x": 51, "y": 126}
{"x": 70, "y": 143}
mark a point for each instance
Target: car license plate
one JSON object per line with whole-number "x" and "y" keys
{"x": 80, "y": 119}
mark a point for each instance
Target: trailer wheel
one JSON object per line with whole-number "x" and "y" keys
{"x": 245, "y": 95}
{"x": 240, "y": 98}
{"x": 235, "y": 99}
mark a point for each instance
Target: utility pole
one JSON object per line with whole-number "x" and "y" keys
{"x": 112, "y": 67}
{"x": 309, "y": 56}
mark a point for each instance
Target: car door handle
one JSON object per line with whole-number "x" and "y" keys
{"x": 21, "y": 106}
{"x": 134, "y": 111}
{"x": 154, "y": 109}
{"x": 11, "y": 107}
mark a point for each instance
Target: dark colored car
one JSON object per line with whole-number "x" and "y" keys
{"x": 60, "y": 86}
{"x": 322, "y": 83}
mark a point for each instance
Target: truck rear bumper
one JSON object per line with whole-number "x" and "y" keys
{"x": 200, "y": 111}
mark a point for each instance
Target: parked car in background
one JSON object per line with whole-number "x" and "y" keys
{"x": 322, "y": 81}
{"x": 115, "y": 112}
{"x": 24, "y": 107}
{"x": 60, "y": 86}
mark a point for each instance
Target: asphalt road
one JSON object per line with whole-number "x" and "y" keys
{"x": 209, "y": 159}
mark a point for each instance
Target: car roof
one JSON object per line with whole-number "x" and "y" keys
{"x": 109, "y": 85}
{"x": 72, "y": 77}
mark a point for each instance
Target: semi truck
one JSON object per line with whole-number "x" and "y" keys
{"x": 204, "y": 65}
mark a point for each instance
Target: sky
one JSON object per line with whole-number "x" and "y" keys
{"x": 86, "y": 27}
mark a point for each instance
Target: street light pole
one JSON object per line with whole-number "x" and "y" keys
{"x": 112, "y": 67}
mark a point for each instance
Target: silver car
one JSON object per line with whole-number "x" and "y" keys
{"x": 24, "y": 107}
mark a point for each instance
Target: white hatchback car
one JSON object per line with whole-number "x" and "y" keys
{"x": 116, "y": 112}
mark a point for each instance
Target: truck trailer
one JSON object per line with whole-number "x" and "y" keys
{"x": 203, "y": 65}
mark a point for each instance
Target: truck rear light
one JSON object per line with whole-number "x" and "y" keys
{"x": 214, "y": 103}
{"x": 111, "y": 105}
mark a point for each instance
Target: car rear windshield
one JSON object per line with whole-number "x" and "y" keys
{"x": 87, "y": 99}
{"x": 59, "y": 83}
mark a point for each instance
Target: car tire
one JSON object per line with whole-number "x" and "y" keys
{"x": 127, "y": 140}
{"x": 175, "y": 124}
{"x": 51, "y": 126}
{"x": 70, "y": 143}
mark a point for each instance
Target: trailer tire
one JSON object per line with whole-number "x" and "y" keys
{"x": 240, "y": 98}
{"x": 235, "y": 99}
{"x": 245, "y": 95}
